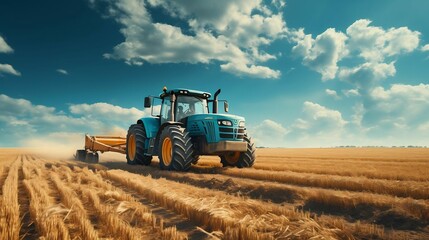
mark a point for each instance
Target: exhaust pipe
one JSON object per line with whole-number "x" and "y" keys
{"x": 172, "y": 101}
{"x": 215, "y": 101}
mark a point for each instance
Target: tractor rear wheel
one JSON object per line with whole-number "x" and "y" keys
{"x": 196, "y": 158}
{"x": 240, "y": 159}
{"x": 175, "y": 149}
{"x": 80, "y": 155}
{"x": 136, "y": 138}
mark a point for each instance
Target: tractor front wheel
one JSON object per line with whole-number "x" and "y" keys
{"x": 240, "y": 159}
{"x": 136, "y": 138}
{"x": 175, "y": 149}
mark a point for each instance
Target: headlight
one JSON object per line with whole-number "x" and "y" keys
{"x": 224, "y": 123}
{"x": 241, "y": 124}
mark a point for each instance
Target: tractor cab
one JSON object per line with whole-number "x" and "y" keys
{"x": 180, "y": 103}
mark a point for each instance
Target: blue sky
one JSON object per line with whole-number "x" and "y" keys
{"x": 303, "y": 73}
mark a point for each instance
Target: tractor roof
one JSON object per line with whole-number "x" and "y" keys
{"x": 187, "y": 92}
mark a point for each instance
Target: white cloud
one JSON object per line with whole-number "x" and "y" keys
{"x": 20, "y": 117}
{"x": 332, "y": 93}
{"x": 106, "y": 111}
{"x": 320, "y": 118}
{"x": 374, "y": 43}
{"x": 322, "y": 53}
{"x": 4, "y": 47}
{"x": 425, "y": 48}
{"x": 279, "y": 3}
{"x": 318, "y": 126}
{"x": 7, "y": 68}
{"x": 62, "y": 71}
{"x": 359, "y": 112}
{"x": 252, "y": 71}
{"x": 368, "y": 74}
{"x": 268, "y": 133}
{"x": 351, "y": 92}
{"x": 229, "y": 32}
{"x": 401, "y": 92}
{"x": 400, "y": 107}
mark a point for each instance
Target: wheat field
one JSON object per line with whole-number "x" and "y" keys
{"x": 356, "y": 193}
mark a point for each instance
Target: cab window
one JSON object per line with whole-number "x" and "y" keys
{"x": 165, "y": 110}
{"x": 190, "y": 105}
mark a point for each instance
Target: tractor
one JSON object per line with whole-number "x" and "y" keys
{"x": 182, "y": 132}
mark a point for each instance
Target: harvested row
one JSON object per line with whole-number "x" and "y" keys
{"x": 79, "y": 214}
{"x": 114, "y": 224}
{"x": 231, "y": 214}
{"x": 83, "y": 181}
{"x": 360, "y": 205}
{"x": 341, "y": 160}
{"x": 357, "y": 154}
{"x": 352, "y": 171}
{"x": 2, "y": 177}
{"x": 48, "y": 216}
{"x": 9, "y": 208}
{"x": 417, "y": 190}
{"x": 377, "y": 163}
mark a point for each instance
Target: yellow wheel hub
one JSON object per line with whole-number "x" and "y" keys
{"x": 132, "y": 146}
{"x": 232, "y": 157}
{"x": 167, "y": 151}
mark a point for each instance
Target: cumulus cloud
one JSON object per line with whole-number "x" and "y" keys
{"x": 7, "y": 68}
{"x": 368, "y": 74}
{"x": 332, "y": 93}
{"x": 398, "y": 108}
{"x": 250, "y": 71}
{"x": 4, "y": 47}
{"x": 374, "y": 43}
{"x": 62, "y": 71}
{"x": 425, "y": 48}
{"x": 229, "y": 32}
{"x": 106, "y": 111}
{"x": 318, "y": 118}
{"x": 269, "y": 133}
{"x": 351, "y": 92}
{"x": 20, "y": 117}
{"x": 317, "y": 126}
{"x": 322, "y": 53}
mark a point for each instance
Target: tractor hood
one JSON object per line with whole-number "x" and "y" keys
{"x": 216, "y": 116}
{"x": 215, "y": 128}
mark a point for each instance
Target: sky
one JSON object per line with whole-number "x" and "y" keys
{"x": 303, "y": 73}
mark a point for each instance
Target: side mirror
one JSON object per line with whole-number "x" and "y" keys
{"x": 147, "y": 102}
{"x": 225, "y": 106}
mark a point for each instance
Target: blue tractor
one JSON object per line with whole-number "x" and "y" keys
{"x": 185, "y": 130}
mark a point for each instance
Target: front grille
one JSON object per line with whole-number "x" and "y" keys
{"x": 225, "y": 129}
{"x": 210, "y": 131}
{"x": 223, "y": 135}
{"x": 231, "y": 132}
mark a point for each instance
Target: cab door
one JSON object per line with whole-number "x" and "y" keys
{"x": 166, "y": 110}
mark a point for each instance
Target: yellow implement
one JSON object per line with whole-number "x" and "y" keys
{"x": 105, "y": 144}
{"x": 95, "y": 144}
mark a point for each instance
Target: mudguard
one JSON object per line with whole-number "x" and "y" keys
{"x": 151, "y": 125}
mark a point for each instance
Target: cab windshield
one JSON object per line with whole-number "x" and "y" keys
{"x": 189, "y": 105}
